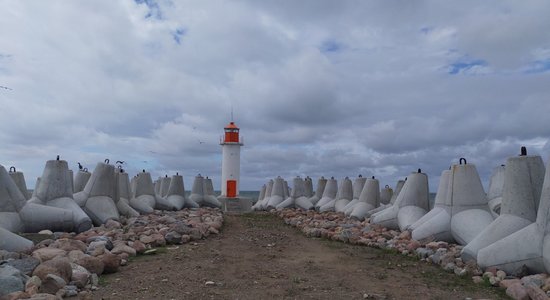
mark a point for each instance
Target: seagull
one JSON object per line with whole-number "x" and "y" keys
{"x": 120, "y": 162}
{"x": 80, "y": 166}
{"x": 200, "y": 142}
{"x": 5, "y": 87}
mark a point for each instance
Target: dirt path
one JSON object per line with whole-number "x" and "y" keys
{"x": 258, "y": 257}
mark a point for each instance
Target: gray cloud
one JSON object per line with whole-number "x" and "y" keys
{"x": 318, "y": 87}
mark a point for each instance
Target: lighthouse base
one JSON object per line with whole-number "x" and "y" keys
{"x": 236, "y": 205}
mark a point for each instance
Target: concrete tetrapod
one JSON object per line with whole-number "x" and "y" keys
{"x": 286, "y": 190}
{"x": 156, "y": 186}
{"x": 11, "y": 202}
{"x": 35, "y": 187}
{"x": 303, "y": 201}
{"x": 321, "y": 183}
{"x": 308, "y": 187}
{"x": 261, "y": 198}
{"x": 56, "y": 190}
{"x": 14, "y": 243}
{"x": 344, "y": 196}
{"x": 164, "y": 185}
{"x": 358, "y": 185}
{"x": 297, "y": 191}
{"x": 523, "y": 181}
{"x": 464, "y": 207}
{"x": 277, "y": 193}
{"x": 80, "y": 179}
{"x": 19, "y": 179}
{"x": 268, "y": 190}
{"x": 398, "y": 187}
{"x": 385, "y": 195}
{"x": 411, "y": 204}
{"x": 98, "y": 195}
{"x": 329, "y": 193}
{"x": 177, "y": 188}
{"x": 122, "y": 194}
{"x": 160, "y": 200}
{"x": 496, "y": 185}
{"x": 436, "y": 223}
{"x": 202, "y": 192}
{"x": 528, "y": 247}
{"x": 18, "y": 215}
{"x": 468, "y": 201}
{"x": 368, "y": 200}
{"x": 210, "y": 199}
{"x": 143, "y": 194}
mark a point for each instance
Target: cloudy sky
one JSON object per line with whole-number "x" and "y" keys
{"x": 333, "y": 88}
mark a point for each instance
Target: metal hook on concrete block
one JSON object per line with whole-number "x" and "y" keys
{"x": 523, "y": 151}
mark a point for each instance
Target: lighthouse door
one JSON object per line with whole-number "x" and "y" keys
{"x": 231, "y": 188}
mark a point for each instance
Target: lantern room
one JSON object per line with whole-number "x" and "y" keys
{"x": 231, "y": 133}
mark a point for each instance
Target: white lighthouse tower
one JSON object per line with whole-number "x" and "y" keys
{"x": 231, "y": 162}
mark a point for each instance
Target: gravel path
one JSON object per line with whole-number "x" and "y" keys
{"x": 256, "y": 256}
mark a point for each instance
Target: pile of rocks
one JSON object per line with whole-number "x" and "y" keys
{"x": 68, "y": 264}
{"x": 338, "y": 227}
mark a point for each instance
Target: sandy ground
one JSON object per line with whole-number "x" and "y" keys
{"x": 258, "y": 257}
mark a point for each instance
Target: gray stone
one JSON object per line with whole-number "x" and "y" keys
{"x": 80, "y": 276}
{"x": 96, "y": 248}
{"x": 7, "y": 270}
{"x": 195, "y": 234}
{"x": 94, "y": 279}
{"x": 182, "y": 228}
{"x": 71, "y": 291}
{"x": 25, "y": 265}
{"x": 52, "y": 283}
{"x": 33, "y": 285}
{"x": 11, "y": 255}
{"x": 10, "y": 284}
{"x": 11, "y": 280}
{"x": 173, "y": 237}
{"x": 423, "y": 252}
{"x": 537, "y": 280}
{"x": 438, "y": 255}
{"x": 366, "y": 229}
{"x": 345, "y": 235}
{"x": 450, "y": 267}
{"x": 108, "y": 245}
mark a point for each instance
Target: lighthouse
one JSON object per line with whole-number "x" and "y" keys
{"x": 231, "y": 161}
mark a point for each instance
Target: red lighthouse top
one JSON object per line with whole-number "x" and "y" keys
{"x": 231, "y": 133}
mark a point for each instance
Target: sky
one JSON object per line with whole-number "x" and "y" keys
{"x": 318, "y": 88}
